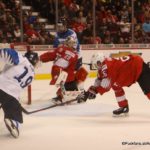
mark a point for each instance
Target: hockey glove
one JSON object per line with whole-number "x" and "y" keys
{"x": 82, "y": 97}
{"x": 91, "y": 93}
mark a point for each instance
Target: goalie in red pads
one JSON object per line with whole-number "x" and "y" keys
{"x": 116, "y": 73}
{"x": 63, "y": 70}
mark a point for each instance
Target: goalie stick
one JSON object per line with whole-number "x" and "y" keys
{"x": 52, "y": 106}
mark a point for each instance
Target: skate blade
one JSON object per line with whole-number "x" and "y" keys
{"x": 121, "y": 115}
{"x": 12, "y": 128}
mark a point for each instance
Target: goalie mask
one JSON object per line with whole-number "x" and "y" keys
{"x": 97, "y": 60}
{"x": 71, "y": 42}
{"x": 32, "y": 57}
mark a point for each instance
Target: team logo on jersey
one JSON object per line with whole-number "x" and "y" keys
{"x": 121, "y": 54}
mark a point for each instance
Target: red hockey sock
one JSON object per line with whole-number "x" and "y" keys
{"x": 123, "y": 103}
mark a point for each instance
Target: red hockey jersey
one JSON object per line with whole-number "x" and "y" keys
{"x": 64, "y": 58}
{"x": 122, "y": 71}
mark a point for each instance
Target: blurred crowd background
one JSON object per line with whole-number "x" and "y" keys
{"x": 94, "y": 21}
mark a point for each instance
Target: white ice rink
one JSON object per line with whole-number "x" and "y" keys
{"x": 86, "y": 126}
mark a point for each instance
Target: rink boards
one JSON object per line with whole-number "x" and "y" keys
{"x": 43, "y": 72}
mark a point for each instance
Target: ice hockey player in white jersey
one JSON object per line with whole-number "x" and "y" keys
{"x": 63, "y": 34}
{"x": 18, "y": 73}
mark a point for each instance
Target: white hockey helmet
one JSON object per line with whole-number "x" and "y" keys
{"x": 96, "y": 59}
{"x": 71, "y": 42}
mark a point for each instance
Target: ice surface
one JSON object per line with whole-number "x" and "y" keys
{"x": 86, "y": 126}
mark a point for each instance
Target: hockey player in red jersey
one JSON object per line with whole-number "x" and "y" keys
{"x": 116, "y": 73}
{"x": 65, "y": 58}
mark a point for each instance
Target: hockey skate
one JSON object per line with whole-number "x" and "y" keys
{"x": 12, "y": 127}
{"x": 121, "y": 111}
{"x": 57, "y": 100}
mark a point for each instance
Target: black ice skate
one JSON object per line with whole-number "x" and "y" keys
{"x": 57, "y": 100}
{"x": 121, "y": 110}
{"x": 12, "y": 127}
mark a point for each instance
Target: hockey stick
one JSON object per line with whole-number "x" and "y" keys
{"x": 87, "y": 64}
{"x": 45, "y": 108}
{"x": 52, "y": 106}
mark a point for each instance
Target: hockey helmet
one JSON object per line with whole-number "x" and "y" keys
{"x": 71, "y": 42}
{"x": 62, "y": 25}
{"x": 32, "y": 57}
{"x": 97, "y": 59}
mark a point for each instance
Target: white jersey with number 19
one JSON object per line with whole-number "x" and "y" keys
{"x": 17, "y": 73}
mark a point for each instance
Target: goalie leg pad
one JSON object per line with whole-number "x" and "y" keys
{"x": 58, "y": 75}
{"x": 55, "y": 73}
{"x": 71, "y": 86}
{"x": 62, "y": 77}
{"x": 59, "y": 93}
{"x": 69, "y": 92}
{"x": 81, "y": 75}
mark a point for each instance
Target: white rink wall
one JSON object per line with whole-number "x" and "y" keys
{"x": 87, "y": 52}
